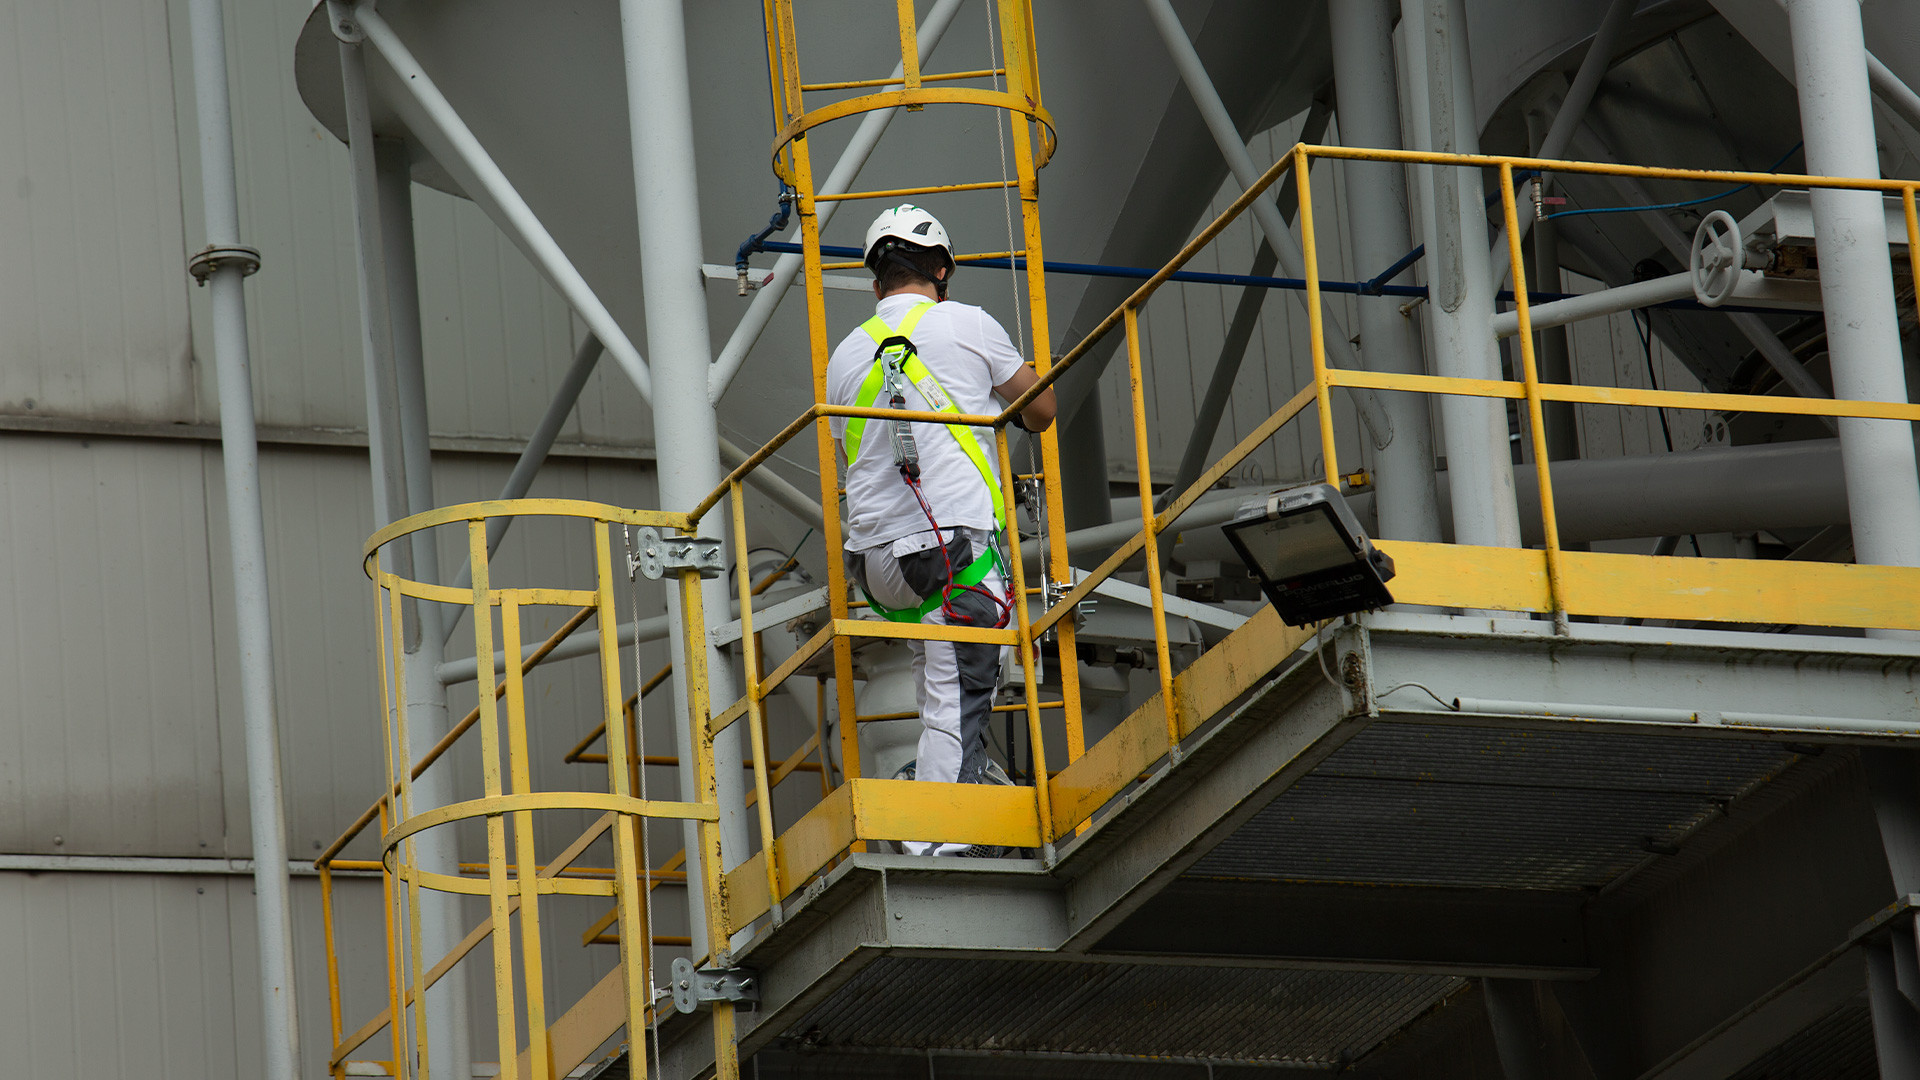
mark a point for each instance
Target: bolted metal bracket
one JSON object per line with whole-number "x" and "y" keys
{"x": 345, "y": 26}
{"x": 211, "y": 259}
{"x": 656, "y": 556}
{"x": 694, "y": 987}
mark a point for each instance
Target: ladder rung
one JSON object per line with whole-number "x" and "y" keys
{"x": 937, "y": 189}
{"x": 946, "y": 76}
{"x": 977, "y": 256}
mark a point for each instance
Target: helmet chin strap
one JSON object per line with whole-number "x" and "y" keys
{"x": 891, "y": 254}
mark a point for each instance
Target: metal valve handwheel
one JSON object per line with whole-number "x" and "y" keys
{"x": 1718, "y": 257}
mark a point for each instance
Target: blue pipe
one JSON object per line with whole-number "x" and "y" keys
{"x": 1358, "y": 288}
{"x": 758, "y": 241}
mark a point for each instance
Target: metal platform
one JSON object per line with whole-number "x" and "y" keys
{"x": 1415, "y": 801}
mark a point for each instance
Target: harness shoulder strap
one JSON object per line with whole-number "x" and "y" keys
{"x": 971, "y": 443}
{"x": 878, "y": 329}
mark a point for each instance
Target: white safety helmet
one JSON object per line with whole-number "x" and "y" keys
{"x": 908, "y": 224}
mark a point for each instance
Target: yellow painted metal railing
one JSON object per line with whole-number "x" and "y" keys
{"x": 1014, "y": 89}
{"x": 514, "y": 879}
{"x": 1551, "y": 581}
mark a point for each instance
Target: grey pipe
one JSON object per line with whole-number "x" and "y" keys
{"x": 1680, "y": 247}
{"x": 440, "y": 919}
{"x": 1891, "y": 89}
{"x": 1742, "y": 489}
{"x": 246, "y": 536}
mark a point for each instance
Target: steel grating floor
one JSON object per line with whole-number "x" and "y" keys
{"x": 1265, "y": 1016}
{"x": 1838, "y": 1046}
{"x": 1428, "y": 804}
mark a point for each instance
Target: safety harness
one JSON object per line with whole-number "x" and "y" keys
{"x": 896, "y": 361}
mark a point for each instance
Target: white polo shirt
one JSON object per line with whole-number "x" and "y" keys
{"x": 970, "y": 353}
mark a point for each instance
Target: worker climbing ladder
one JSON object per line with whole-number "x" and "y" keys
{"x": 1014, "y": 87}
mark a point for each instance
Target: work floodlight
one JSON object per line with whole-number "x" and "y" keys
{"x": 1313, "y": 560}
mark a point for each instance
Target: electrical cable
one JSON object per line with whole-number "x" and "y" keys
{"x": 1006, "y": 194}
{"x": 1781, "y": 160}
{"x": 1444, "y": 703}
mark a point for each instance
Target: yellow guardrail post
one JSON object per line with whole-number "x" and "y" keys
{"x": 408, "y": 850}
{"x": 1316, "y": 325}
{"x": 1913, "y": 243}
{"x": 909, "y": 48}
{"x": 699, "y": 718}
{"x": 397, "y": 1023}
{"x": 799, "y": 162}
{"x": 497, "y": 886}
{"x": 1549, "y": 520}
{"x": 1023, "y": 620}
{"x": 756, "y": 720}
{"x": 1019, "y": 61}
{"x": 526, "y": 868}
{"x": 629, "y": 843}
{"x": 1163, "y": 654}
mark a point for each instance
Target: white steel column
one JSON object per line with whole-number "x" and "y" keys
{"x": 1856, "y": 278}
{"x": 660, "y": 112}
{"x": 1369, "y": 112}
{"x": 448, "y": 1039}
{"x": 246, "y": 536}
{"x": 427, "y": 720}
{"x": 1439, "y": 91}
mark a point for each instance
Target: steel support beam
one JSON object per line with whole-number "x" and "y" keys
{"x": 1856, "y": 277}
{"x": 1513, "y": 933}
{"x": 1891, "y": 989}
{"x": 787, "y": 267}
{"x": 390, "y": 325}
{"x": 686, "y": 428}
{"x": 1438, "y": 89}
{"x": 1551, "y": 350}
{"x": 531, "y": 458}
{"x": 247, "y": 546}
{"x": 1573, "y": 109}
{"x": 1193, "y": 73}
{"x": 1513, "y": 1011}
{"x": 1893, "y": 90}
{"x": 434, "y": 118}
{"x": 1366, "y": 84}
{"x": 1240, "y": 331}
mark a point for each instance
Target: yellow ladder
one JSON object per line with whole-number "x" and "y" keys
{"x": 1014, "y": 86}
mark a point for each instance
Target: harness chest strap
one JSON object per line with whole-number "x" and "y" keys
{"x": 936, "y": 396}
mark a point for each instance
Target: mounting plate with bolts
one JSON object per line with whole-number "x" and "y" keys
{"x": 694, "y": 987}
{"x": 655, "y": 556}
